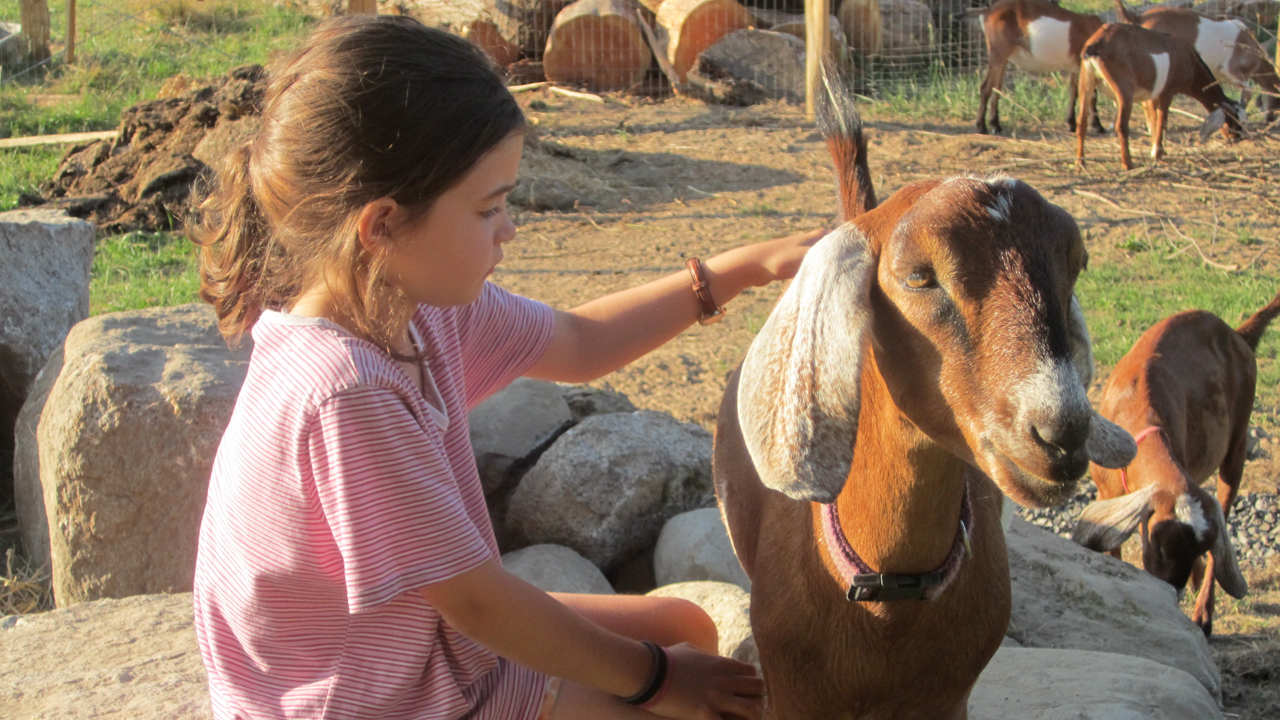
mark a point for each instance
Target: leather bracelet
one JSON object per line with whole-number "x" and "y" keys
{"x": 708, "y": 311}
{"x": 657, "y": 677}
{"x": 666, "y": 682}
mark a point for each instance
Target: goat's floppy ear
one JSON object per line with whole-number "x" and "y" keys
{"x": 1212, "y": 123}
{"x": 1225, "y": 569}
{"x": 1106, "y": 524}
{"x": 799, "y": 389}
{"x": 1109, "y": 445}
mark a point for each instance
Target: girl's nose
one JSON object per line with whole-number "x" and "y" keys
{"x": 506, "y": 229}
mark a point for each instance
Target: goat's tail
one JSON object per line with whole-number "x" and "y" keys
{"x": 841, "y": 125}
{"x": 1127, "y": 14}
{"x": 1253, "y": 328}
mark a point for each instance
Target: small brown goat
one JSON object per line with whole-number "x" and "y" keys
{"x": 1188, "y": 384}
{"x": 929, "y": 354}
{"x": 1137, "y": 64}
{"x": 1226, "y": 46}
{"x": 1038, "y": 36}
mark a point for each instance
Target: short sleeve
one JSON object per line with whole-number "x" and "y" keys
{"x": 390, "y": 498}
{"x": 503, "y": 335}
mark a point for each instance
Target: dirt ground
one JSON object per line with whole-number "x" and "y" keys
{"x": 640, "y": 187}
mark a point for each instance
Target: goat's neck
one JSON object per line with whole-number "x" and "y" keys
{"x": 901, "y": 505}
{"x": 1156, "y": 464}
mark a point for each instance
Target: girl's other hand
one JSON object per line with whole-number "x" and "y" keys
{"x": 709, "y": 687}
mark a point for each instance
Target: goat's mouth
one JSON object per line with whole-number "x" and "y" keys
{"x": 1028, "y": 487}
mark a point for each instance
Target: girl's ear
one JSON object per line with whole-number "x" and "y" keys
{"x": 374, "y": 223}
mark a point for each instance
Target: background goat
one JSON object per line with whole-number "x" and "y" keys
{"x": 1188, "y": 384}
{"x": 927, "y": 347}
{"x": 1226, "y": 46}
{"x": 1137, "y": 64}
{"x": 1038, "y": 36}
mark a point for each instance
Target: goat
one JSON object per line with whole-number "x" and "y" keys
{"x": 1226, "y": 46}
{"x": 1188, "y": 385}
{"x": 929, "y": 353}
{"x": 1038, "y": 36}
{"x": 1135, "y": 63}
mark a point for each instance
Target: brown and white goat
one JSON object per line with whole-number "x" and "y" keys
{"x": 1038, "y": 36}
{"x": 1188, "y": 386}
{"x": 1226, "y": 46}
{"x": 929, "y": 354}
{"x": 1137, "y": 64}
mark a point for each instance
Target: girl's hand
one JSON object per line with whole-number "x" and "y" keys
{"x": 709, "y": 687}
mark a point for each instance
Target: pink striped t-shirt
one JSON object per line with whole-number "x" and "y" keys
{"x": 336, "y": 495}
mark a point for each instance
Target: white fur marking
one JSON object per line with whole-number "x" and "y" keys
{"x": 1052, "y": 390}
{"x": 1049, "y": 43}
{"x": 1001, "y": 210}
{"x": 1216, "y": 43}
{"x": 1189, "y": 512}
{"x": 1142, "y": 94}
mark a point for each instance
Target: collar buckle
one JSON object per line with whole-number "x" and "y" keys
{"x": 882, "y": 587}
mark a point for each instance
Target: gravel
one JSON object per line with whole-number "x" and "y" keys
{"x": 1254, "y": 521}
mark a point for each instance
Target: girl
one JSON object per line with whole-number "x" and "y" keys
{"x": 347, "y": 566}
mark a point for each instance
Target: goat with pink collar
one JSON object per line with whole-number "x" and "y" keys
{"x": 1185, "y": 391}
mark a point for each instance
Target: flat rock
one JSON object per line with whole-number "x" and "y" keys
{"x": 1067, "y": 597}
{"x": 126, "y": 439}
{"x": 554, "y": 568}
{"x": 696, "y": 546}
{"x": 1021, "y": 684}
{"x": 606, "y": 487}
{"x": 130, "y": 659}
{"x": 729, "y": 606}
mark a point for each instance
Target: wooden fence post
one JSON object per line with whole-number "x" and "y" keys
{"x": 817, "y": 40}
{"x": 34, "y": 16}
{"x": 70, "y": 58}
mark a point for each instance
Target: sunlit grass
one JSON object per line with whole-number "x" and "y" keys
{"x": 141, "y": 270}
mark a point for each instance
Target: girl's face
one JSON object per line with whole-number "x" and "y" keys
{"x": 443, "y": 257}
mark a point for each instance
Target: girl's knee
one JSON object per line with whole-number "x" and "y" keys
{"x": 693, "y": 625}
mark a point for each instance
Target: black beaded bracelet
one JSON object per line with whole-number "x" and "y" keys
{"x": 657, "y": 677}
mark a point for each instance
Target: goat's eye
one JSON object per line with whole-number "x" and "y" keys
{"x": 920, "y": 279}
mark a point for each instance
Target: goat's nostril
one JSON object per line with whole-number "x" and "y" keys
{"x": 1067, "y": 437}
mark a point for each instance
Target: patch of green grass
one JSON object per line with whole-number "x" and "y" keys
{"x": 141, "y": 270}
{"x": 23, "y": 169}
{"x": 948, "y": 97}
{"x": 1124, "y": 298}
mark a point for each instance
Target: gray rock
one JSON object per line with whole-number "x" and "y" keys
{"x": 606, "y": 486}
{"x": 729, "y": 606}
{"x": 126, "y": 442}
{"x": 554, "y": 568}
{"x": 45, "y": 259}
{"x": 513, "y": 424}
{"x": 130, "y": 659}
{"x": 1067, "y": 597}
{"x": 587, "y": 401}
{"x": 1021, "y": 684}
{"x": 696, "y": 546}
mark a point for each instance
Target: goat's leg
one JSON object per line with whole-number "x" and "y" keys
{"x": 1160, "y": 113}
{"x": 1149, "y": 111}
{"x": 1097, "y": 119}
{"x": 1073, "y": 93}
{"x": 1202, "y": 616}
{"x": 991, "y": 86}
{"x": 1122, "y": 129}
{"x": 1086, "y": 86}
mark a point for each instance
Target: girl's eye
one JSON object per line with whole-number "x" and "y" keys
{"x": 491, "y": 212}
{"x": 920, "y": 279}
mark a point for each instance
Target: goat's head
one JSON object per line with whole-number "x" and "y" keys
{"x": 1179, "y": 528}
{"x": 963, "y": 291}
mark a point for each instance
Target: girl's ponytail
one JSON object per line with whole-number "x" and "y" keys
{"x": 235, "y": 246}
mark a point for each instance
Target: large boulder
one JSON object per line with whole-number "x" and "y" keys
{"x": 1022, "y": 684}
{"x": 126, "y": 440}
{"x": 45, "y": 259}
{"x": 696, "y": 546}
{"x": 129, "y": 659}
{"x": 553, "y": 568}
{"x": 1067, "y": 597}
{"x": 512, "y": 425}
{"x": 606, "y": 486}
{"x": 729, "y": 607}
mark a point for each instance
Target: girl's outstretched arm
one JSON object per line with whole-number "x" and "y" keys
{"x": 601, "y": 336}
{"x": 526, "y": 625}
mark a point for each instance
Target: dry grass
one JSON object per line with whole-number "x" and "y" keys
{"x": 23, "y": 589}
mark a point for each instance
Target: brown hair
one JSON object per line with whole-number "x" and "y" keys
{"x": 368, "y": 107}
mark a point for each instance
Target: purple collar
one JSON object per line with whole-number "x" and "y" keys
{"x": 867, "y": 585}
